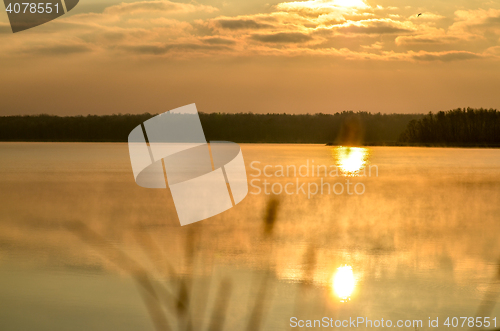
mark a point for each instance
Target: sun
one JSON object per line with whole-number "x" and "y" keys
{"x": 343, "y": 282}
{"x": 322, "y": 5}
{"x": 350, "y": 3}
{"x": 350, "y": 160}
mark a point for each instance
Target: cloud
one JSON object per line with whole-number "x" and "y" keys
{"x": 161, "y": 49}
{"x": 426, "y": 17}
{"x": 218, "y": 41}
{"x": 476, "y": 22}
{"x": 157, "y": 6}
{"x": 430, "y": 36}
{"x": 478, "y": 16}
{"x": 57, "y": 50}
{"x": 493, "y": 50}
{"x": 377, "y": 45}
{"x": 418, "y": 40}
{"x": 241, "y": 24}
{"x": 347, "y": 29}
{"x": 446, "y": 56}
{"x": 470, "y": 26}
{"x": 282, "y": 37}
{"x": 385, "y": 26}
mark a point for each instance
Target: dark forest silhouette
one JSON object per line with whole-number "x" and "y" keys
{"x": 344, "y": 127}
{"x": 458, "y": 127}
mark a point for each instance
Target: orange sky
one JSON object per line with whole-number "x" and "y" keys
{"x": 309, "y": 56}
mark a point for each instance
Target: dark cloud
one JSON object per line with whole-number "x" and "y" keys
{"x": 419, "y": 40}
{"x": 166, "y": 48}
{"x": 240, "y": 24}
{"x": 58, "y": 50}
{"x": 218, "y": 41}
{"x": 493, "y": 20}
{"x": 203, "y": 29}
{"x": 373, "y": 28}
{"x": 446, "y": 57}
{"x": 282, "y": 37}
{"x": 426, "y": 40}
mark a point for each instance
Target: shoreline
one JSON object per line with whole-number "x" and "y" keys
{"x": 401, "y": 144}
{"x": 371, "y": 144}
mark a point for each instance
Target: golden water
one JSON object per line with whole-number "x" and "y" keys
{"x": 421, "y": 241}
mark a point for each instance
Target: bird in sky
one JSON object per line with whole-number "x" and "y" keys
{"x": 419, "y": 14}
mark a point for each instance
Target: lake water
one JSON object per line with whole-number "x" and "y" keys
{"x": 82, "y": 247}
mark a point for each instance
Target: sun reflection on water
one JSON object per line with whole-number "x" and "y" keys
{"x": 343, "y": 283}
{"x": 350, "y": 160}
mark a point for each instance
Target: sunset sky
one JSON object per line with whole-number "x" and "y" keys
{"x": 261, "y": 56}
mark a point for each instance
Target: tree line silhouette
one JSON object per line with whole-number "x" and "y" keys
{"x": 241, "y": 127}
{"x": 458, "y": 127}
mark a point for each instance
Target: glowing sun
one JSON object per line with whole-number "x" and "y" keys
{"x": 350, "y": 3}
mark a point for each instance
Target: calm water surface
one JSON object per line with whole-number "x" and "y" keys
{"x": 82, "y": 247}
